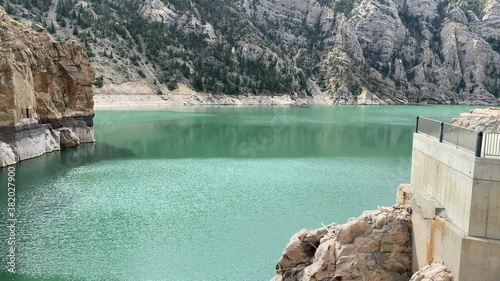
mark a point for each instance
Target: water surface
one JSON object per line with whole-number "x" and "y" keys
{"x": 204, "y": 193}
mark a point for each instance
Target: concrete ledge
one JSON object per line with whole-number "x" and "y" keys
{"x": 426, "y": 205}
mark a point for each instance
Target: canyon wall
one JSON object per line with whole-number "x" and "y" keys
{"x": 46, "y": 99}
{"x": 333, "y": 52}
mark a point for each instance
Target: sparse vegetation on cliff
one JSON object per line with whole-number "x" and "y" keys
{"x": 243, "y": 47}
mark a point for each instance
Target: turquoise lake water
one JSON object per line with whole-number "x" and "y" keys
{"x": 203, "y": 193}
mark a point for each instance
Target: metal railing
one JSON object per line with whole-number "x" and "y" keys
{"x": 460, "y": 137}
{"x": 481, "y": 144}
{"x": 491, "y": 144}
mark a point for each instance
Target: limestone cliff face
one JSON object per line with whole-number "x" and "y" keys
{"x": 45, "y": 89}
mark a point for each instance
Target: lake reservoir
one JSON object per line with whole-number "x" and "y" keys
{"x": 204, "y": 193}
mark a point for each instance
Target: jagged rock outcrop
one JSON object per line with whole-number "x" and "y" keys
{"x": 433, "y": 272}
{"x": 157, "y": 11}
{"x": 374, "y": 246}
{"x": 486, "y": 120}
{"x": 44, "y": 85}
{"x": 489, "y": 26}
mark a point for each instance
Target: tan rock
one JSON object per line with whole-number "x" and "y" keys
{"x": 349, "y": 231}
{"x": 351, "y": 251}
{"x": 487, "y": 119}
{"x": 434, "y": 272}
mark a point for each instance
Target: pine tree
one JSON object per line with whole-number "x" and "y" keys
{"x": 9, "y": 9}
{"x": 198, "y": 83}
{"x": 52, "y": 28}
{"x": 99, "y": 81}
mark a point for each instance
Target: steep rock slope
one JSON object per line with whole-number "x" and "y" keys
{"x": 360, "y": 51}
{"x": 46, "y": 98}
{"x": 425, "y": 52}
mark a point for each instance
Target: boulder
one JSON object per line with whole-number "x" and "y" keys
{"x": 374, "y": 246}
{"x": 486, "y": 120}
{"x": 7, "y": 156}
{"x": 433, "y": 272}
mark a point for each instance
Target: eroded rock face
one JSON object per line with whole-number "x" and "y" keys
{"x": 374, "y": 246}
{"x": 44, "y": 85}
{"x": 413, "y": 52}
{"x": 401, "y": 51}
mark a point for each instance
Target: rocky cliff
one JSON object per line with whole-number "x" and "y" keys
{"x": 356, "y": 51}
{"x": 393, "y": 51}
{"x": 375, "y": 246}
{"x": 46, "y": 99}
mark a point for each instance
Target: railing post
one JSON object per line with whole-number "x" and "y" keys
{"x": 441, "y": 132}
{"x": 416, "y": 127}
{"x": 479, "y": 143}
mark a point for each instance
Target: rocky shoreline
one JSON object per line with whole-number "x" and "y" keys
{"x": 110, "y": 101}
{"x": 374, "y": 246}
{"x": 140, "y": 93}
{"x": 33, "y": 139}
{"x": 123, "y": 101}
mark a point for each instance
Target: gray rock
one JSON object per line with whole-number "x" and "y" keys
{"x": 68, "y": 138}
{"x": 37, "y": 27}
{"x": 7, "y": 155}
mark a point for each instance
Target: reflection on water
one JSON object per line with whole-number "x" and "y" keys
{"x": 194, "y": 138}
